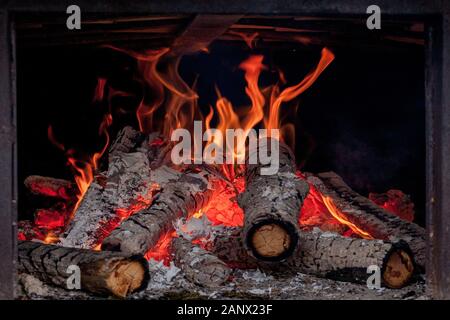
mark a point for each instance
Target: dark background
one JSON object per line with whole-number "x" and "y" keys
{"x": 363, "y": 118}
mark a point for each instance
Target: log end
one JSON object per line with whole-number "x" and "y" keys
{"x": 272, "y": 240}
{"x": 126, "y": 278}
{"x": 119, "y": 277}
{"x": 398, "y": 269}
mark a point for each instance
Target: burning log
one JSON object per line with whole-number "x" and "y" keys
{"x": 82, "y": 229}
{"x": 127, "y": 179}
{"x": 51, "y": 187}
{"x": 199, "y": 265}
{"x": 100, "y": 272}
{"x": 181, "y": 196}
{"x": 367, "y": 215}
{"x": 126, "y": 141}
{"x": 395, "y": 202}
{"x": 272, "y": 205}
{"x": 348, "y": 259}
{"x": 327, "y": 255}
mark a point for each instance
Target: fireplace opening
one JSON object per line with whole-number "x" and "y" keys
{"x": 96, "y": 111}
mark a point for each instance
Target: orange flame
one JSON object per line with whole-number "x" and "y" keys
{"x": 51, "y": 238}
{"x": 253, "y": 115}
{"x": 84, "y": 169}
{"x": 338, "y": 215}
{"x": 273, "y": 120}
{"x": 145, "y": 111}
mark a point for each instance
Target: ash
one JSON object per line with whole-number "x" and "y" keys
{"x": 168, "y": 282}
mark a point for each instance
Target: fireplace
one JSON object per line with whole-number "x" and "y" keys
{"x": 359, "y": 176}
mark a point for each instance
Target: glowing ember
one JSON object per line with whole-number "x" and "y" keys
{"x": 141, "y": 202}
{"x": 395, "y": 202}
{"x": 138, "y": 204}
{"x": 49, "y": 218}
{"x": 161, "y": 250}
{"x": 41, "y": 188}
{"x": 223, "y": 208}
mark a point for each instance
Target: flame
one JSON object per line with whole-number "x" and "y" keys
{"x": 338, "y": 215}
{"x": 159, "y": 72}
{"x": 253, "y": 67}
{"x": 166, "y": 87}
{"x": 51, "y": 238}
{"x": 255, "y": 113}
{"x": 145, "y": 111}
{"x": 273, "y": 119}
{"x": 84, "y": 168}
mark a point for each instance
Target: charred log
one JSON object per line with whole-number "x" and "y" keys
{"x": 101, "y": 272}
{"x": 126, "y": 141}
{"x": 367, "y": 215}
{"x": 327, "y": 255}
{"x": 51, "y": 187}
{"x": 127, "y": 179}
{"x": 199, "y": 265}
{"x": 272, "y": 205}
{"x": 181, "y": 196}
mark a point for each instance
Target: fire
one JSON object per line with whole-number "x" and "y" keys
{"x": 272, "y": 121}
{"x": 160, "y": 77}
{"x": 51, "y": 238}
{"x": 84, "y": 168}
{"x": 160, "y": 252}
{"x": 337, "y": 214}
{"x": 318, "y": 208}
{"x": 159, "y": 72}
{"x": 223, "y": 208}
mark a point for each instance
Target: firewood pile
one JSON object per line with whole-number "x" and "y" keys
{"x": 140, "y": 206}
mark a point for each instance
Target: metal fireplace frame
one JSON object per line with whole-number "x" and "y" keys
{"x": 436, "y": 13}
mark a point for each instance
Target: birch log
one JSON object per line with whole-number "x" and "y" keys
{"x": 126, "y": 180}
{"x": 109, "y": 273}
{"x": 272, "y": 206}
{"x": 367, "y": 215}
{"x": 327, "y": 255}
{"x": 199, "y": 266}
{"x": 180, "y": 196}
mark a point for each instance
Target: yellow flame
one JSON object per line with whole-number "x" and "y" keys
{"x": 336, "y": 213}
